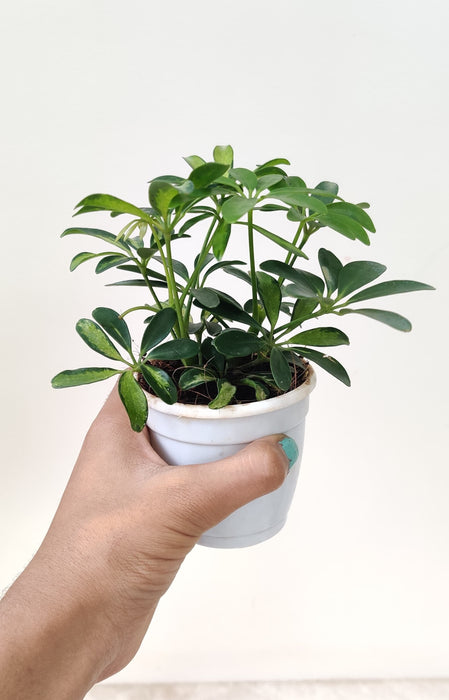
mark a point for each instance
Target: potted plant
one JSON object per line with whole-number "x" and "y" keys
{"x": 217, "y": 372}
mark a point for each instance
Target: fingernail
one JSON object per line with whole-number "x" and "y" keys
{"x": 291, "y": 450}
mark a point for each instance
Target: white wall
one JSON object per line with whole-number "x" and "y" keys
{"x": 101, "y": 96}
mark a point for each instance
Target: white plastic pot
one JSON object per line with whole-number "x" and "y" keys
{"x": 186, "y": 434}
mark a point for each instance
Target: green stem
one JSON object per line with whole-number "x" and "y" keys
{"x": 252, "y": 263}
{"x": 295, "y": 241}
{"x": 134, "y": 308}
{"x": 150, "y": 286}
{"x": 193, "y": 279}
{"x": 282, "y": 330}
{"x": 181, "y": 330}
{"x": 143, "y": 271}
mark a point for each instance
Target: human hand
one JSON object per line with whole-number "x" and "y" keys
{"x": 124, "y": 525}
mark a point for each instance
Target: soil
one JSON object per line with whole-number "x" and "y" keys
{"x": 203, "y": 394}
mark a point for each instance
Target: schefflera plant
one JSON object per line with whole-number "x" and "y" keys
{"x": 197, "y": 336}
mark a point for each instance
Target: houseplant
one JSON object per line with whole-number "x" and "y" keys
{"x": 225, "y": 357}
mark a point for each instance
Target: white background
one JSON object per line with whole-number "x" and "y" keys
{"x": 100, "y": 97}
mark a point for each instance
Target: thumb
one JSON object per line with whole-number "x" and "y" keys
{"x": 216, "y": 489}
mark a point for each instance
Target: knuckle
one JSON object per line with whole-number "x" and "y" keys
{"x": 270, "y": 465}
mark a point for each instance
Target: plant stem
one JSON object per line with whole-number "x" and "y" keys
{"x": 202, "y": 256}
{"x": 173, "y": 287}
{"x": 135, "y": 308}
{"x": 143, "y": 270}
{"x": 252, "y": 263}
{"x": 193, "y": 280}
{"x": 294, "y": 242}
{"x": 291, "y": 258}
{"x": 282, "y": 330}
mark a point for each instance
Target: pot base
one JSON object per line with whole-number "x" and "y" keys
{"x": 240, "y": 541}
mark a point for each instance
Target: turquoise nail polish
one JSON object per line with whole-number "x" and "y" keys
{"x": 291, "y": 450}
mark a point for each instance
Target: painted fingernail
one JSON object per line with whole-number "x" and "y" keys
{"x": 291, "y": 450}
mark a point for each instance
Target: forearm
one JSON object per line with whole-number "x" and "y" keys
{"x": 53, "y": 643}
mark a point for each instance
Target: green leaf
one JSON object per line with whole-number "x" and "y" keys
{"x": 296, "y": 182}
{"x": 224, "y": 155}
{"x": 392, "y": 319}
{"x": 356, "y": 274}
{"x": 147, "y": 253}
{"x": 225, "y": 182}
{"x": 237, "y": 343}
{"x": 134, "y": 400}
{"x": 114, "y": 325}
{"x": 280, "y": 369}
{"x": 195, "y": 376}
{"x": 158, "y": 329}
{"x": 260, "y": 313}
{"x": 220, "y": 265}
{"x": 137, "y": 283}
{"x": 330, "y": 187}
{"x": 236, "y": 272}
{"x": 194, "y": 328}
{"x": 213, "y": 359}
{"x": 161, "y": 194}
{"x": 353, "y": 211}
{"x": 273, "y": 162}
{"x": 236, "y": 206}
{"x": 344, "y": 225}
{"x": 294, "y": 214}
{"x": 293, "y": 195}
{"x": 207, "y": 259}
{"x": 303, "y": 308}
{"x": 97, "y": 339}
{"x": 178, "y": 349}
{"x": 89, "y": 210}
{"x": 151, "y": 273}
{"x": 213, "y": 328}
{"x": 230, "y": 311}
{"x": 272, "y": 207}
{"x": 107, "y": 202}
{"x": 193, "y": 221}
{"x": 261, "y": 392}
{"x": 84, "y": 375}
{"x": 307, "y": 283}
{"x": 110, "y": 261}
{"x": 321, "y": 337}
{"x": 270, "y": 170}
{"x": 98, "y": 233}
{"x": 172, "y": 179}
{"x": 162, "y": 385}
{"x": 178, "y": 268}
{"x": 82, "y": 257}
{"x": 330, "y": 364}
{"x": 207, "y": 297}
{"x": 227, "y": 297}
{"x": 246, "y": 177}
{"x": 330, "y": 267}
{"x": 270, "y": 294}
{"x": 384, "y": 289}
{"x": 280, "y": 242}
{"x": 194, "y": 161}
{"x": 225, "y": 395}
{"x": 205, "y": 174}
{"x": 266, "y": 181}
{"x": 220, "y": 239}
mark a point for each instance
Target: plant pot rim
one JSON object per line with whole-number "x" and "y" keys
{"x": 237, "y": 410}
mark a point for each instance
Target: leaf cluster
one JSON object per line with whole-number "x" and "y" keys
{"x": 219, "y": 345}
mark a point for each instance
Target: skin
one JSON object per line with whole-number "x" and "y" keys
{"x": 125, "y": 523}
